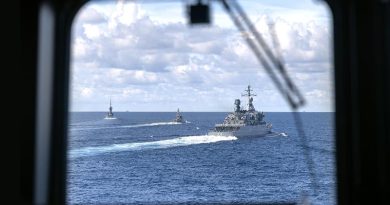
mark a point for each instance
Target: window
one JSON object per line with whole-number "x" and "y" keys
{"x": 144, "y": 61}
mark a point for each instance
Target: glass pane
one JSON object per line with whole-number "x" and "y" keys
{"x": 154, "y": 112}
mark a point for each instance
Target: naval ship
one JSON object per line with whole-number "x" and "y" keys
{"x": 179, "y": 118}
{"x": 243, "y": 123}
{"x": 110, "y": 115}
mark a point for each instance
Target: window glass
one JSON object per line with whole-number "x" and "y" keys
{"x": 165, "y": 112}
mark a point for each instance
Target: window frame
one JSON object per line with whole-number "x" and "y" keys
{"x": 362, "y": 153}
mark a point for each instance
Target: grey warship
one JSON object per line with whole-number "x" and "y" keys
{"x": 243, "y": 123}
{"x": 179, "y": 118}
{"x": 110, "y": 115}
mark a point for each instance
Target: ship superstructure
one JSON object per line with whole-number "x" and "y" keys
{"x": 243, "y": 123}
{"x": 179, "y": 118}
{"x": 110, "y": 114}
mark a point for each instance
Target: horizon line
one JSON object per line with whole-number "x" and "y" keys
{"x": 195, "y": 111}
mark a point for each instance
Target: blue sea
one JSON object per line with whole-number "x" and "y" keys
{"x": 144, "y": 158}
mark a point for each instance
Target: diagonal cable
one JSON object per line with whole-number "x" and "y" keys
{"x": 264, "y": 55}
{"x": 288, "y": 90}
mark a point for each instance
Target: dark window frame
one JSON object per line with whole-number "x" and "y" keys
{"x": 362, "y": 95}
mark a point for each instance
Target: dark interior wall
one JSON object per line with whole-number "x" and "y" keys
{"x": 361, "y": 41}
{"x": 27, "y": 88}
{"x": 61, "y": 13}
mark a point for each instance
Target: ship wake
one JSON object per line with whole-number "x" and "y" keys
{"x": 110, "y": 118}
{"x": 161, "y": 144}
{"x": 152, "y": 124}
{"x": 128, "y": 126}
{"x": 277, "y": 134}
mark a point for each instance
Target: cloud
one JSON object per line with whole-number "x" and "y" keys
{"x": 125, "y": 52}
{"x": 86, "y": 92}
{"x": 89, "y": 15}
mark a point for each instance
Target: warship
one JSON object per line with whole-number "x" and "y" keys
{"x": 110, "y": 115}
{"x": 243, "y": 123}
{"x": 179, "y": 118}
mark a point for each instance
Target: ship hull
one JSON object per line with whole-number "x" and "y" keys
{"x": 245, "y": 131}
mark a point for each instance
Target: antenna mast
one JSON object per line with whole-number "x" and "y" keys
{"x": 250, "y": 99}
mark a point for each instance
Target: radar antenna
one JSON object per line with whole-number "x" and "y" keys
{"x": 250, "y": 99}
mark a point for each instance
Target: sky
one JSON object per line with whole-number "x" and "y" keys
{"x": 146, "y": 57}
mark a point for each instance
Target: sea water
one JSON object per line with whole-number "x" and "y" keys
{"x": 145, "y": 158}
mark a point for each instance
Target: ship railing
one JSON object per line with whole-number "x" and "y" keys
{"x": 229, "y": 125}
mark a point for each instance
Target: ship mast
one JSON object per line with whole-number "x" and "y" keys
{"x": 110, "y": 113}
{"x": 250, "y": 99}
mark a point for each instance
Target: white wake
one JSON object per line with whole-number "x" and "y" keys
{"x": 129, "y": 126}
{"x": 283, "y": 134}
{"x": 162, "y": 144}
{"x": 110, "y": 118}
{"x": 152, "y": 124}
{"x": 277, "y": 134}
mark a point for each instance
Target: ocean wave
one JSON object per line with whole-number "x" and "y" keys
{"x": 161, "y": 144}
{"x": 277, "y": 134}
{"x": 283, "y": 134}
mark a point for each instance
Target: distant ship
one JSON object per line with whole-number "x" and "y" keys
{"x": 243, "y": 123}
{"x": 179, "y": 118}
{"x": 110, "y": 115}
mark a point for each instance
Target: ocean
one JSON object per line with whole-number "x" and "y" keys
{"x": 145, "y": 158}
